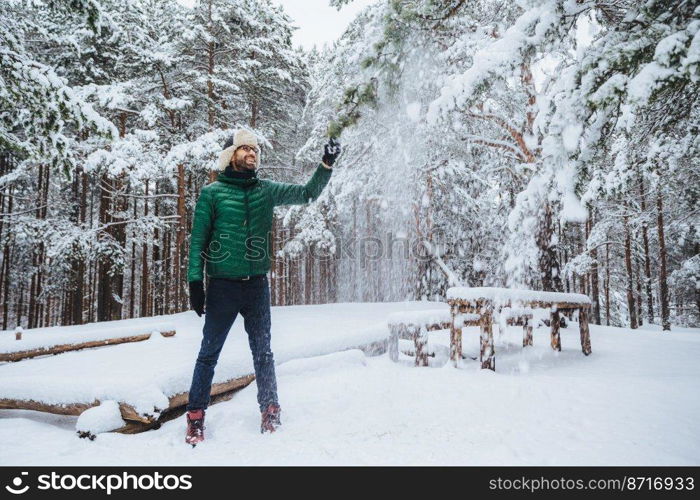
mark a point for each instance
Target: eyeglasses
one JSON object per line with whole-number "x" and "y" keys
{"x": 249, "y": 149}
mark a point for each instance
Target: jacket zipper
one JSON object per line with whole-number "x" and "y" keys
{"x": 247, "y": 226}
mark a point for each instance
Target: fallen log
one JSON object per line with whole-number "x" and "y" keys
{"x": 61, "y": 348}
{"x": 216, "y": 390}
{"x": 135, "y": 422}
{"x": 227, "y": 390}
{"x": 177, "y": 404}
{"x": 73, "y": 409}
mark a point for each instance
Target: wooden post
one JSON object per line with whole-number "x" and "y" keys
{"x": 527, "y": 332}
{"x": 554, "y": 321}
{"x": 455, "y": 337}
{"x": 585, "y": 333}
{"x": 488, "y": 353}
{"x": 18, "y": 333}
{"x": 420, "y": 340}
{"x": 393, "y": 346}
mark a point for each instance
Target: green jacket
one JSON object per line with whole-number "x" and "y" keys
{"x": 233, "y": 221}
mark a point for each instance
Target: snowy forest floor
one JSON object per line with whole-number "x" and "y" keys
{"x": 633, "y": 401}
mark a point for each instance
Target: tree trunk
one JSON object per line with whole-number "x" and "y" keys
{"x": 104, "y": 280}
{"x": 178, "y": 264}
{"x": 308, "y": 277}
{"x": 34, "y": 282}
{"x": 154, "y": 306}
{"x": 607, "y": 284}
{"x": 167, "y": 268}
{"x": 697, "y": 288}
{"x": 6, "y": 279}
{"x": 6, "y": 257}
{"x": 595, "y": 293}
{"x": 640, "y": 308}
{"x": 210, "y": 76}
{"x": 548, "y": 264}
{"x": 20, "y": 304}
{"x": 273, "y": 264}
{"x": 211, "y": 66}
{"x": 663, "y": 283}
{"x": 143, "y": 309}
{"x": 42, "y": 249}
{"x": 4, "y": 167}
{"x": 132, "y": 274}
{"x": 647, "y": 257}
{"x": 77, "y": 262}
{"x": 631, "y": 309}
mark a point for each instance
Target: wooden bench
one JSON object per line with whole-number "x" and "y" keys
{"x": 517, "y": 304}
{"x": 415, "y": 325}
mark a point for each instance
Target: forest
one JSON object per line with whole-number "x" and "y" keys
{"x": 542, "y": 144}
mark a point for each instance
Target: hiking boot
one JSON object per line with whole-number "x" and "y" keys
{"x": 270, "y": 418}
{"x": 195, "y": 427}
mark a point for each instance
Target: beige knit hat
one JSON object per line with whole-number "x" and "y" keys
{"x": 241, "y": 137}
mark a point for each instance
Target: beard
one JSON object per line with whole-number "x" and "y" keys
{"x": 241, "y": 164}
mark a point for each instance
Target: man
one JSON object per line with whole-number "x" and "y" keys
{"x": 231, "y": 233}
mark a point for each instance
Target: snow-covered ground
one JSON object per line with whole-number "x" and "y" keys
{"x": 144, "y": 374}
{"x": 633, "y": 401}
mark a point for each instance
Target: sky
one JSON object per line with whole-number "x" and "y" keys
{"x": 318, "y": 23}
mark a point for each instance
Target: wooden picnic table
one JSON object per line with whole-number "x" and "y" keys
{"x": 488, "y": 302}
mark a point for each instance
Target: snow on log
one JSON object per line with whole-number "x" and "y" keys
{"x": 60, "y": 348}
{"x": 217, "y": 389}
{"x": 106, "y": 417}
{"x": 505, "y": 296}
{"x": 134, "y": 421}
{"x": 421, "y": 318}
{"x": 431, "y": 319}
{"x": 72, "y": 409}
{"x": 35, "y": 338}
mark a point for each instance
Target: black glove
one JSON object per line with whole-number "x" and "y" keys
{"x": 197, "y": 297}
{"x": 331, "y": 151}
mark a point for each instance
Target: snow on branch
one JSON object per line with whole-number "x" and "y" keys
{"x": 498, "y": 58}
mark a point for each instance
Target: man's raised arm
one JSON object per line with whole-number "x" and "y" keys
{"x": 297, "y": 194}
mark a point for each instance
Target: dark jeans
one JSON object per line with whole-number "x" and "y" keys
{"x": 225, "y": 299}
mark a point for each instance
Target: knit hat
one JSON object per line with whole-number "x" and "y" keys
{"x": 241, "y": 137}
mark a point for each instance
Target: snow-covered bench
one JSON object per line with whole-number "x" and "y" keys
{"x": 517, "y": 305}
{"x": 415, "y": 325}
